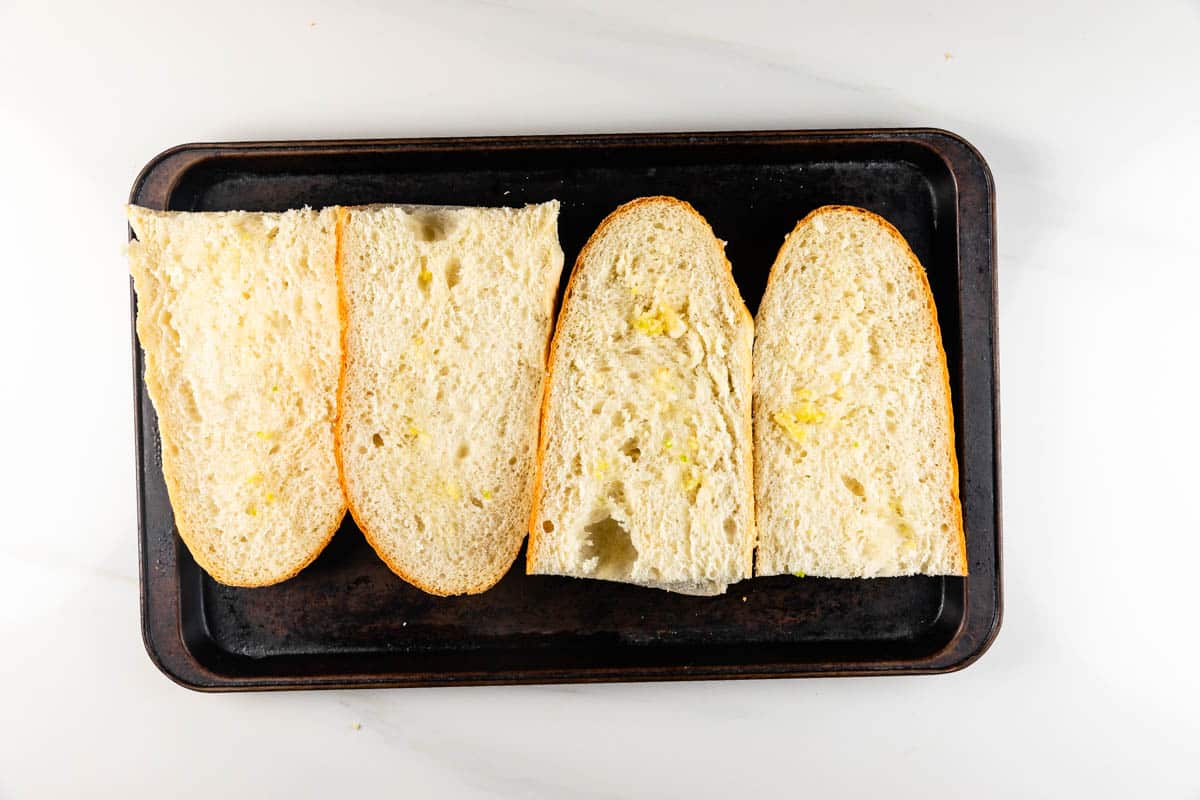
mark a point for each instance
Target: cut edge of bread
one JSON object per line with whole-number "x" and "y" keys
{"x": 343, "y": 214}
{"x": 747, "y": 476}
{"x": 505, "y": 565}
{"x": 935, "y": 332}
{"x": 174, "y": 489}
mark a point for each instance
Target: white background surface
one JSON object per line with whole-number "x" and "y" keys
{"x": 1090, "y": 118}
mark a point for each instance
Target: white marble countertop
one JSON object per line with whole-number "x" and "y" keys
{"x": 1090, "y": 118}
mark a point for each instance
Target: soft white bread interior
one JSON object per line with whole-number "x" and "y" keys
{"x": 448, "y": 313}
{"x": 855, "y": 470}
{"x": 238, "y": 318}
{"x": 644, "y": 461}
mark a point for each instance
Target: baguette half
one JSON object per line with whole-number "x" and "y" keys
{"x": 645, "y": 455}
{"x": 238, "y": 318}
{"x": 855, "y": 469}
{"x": 448, "y": 313}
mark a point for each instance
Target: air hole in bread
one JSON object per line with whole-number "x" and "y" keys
{"x": 475, "y": 501}
{"x": 430, "y": 228}
{"x": 420, "y": 524}
{"x": 377, "y": 440}
{"x": 274, "y": 449}
{"x": 547, "y": 526}
{"x": 890, "y": 287}
{"x": 730, "y": 528}
{"x": 452, "y": 270}
{"x": 855, "y": 487}
{"x": 609, "y": 548}
{"x": 599, "y": 407}
{"x": 631, "y": 450}
{"x": 945, "y": 527}
{"x": 463, "y": 450}
{"x": 512, "y": 461}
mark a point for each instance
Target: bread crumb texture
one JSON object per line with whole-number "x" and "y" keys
{"x": 237, "y": 316}
{"x": 855, "y": 472}
{"x": 448, "y": 313}
{"x": 645, "y": 471}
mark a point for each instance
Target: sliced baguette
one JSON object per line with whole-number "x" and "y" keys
{"x": 855, "y": 469}
{"x": 447, "y": 319}
{"x": 644, "y": 460}
{"x": 238, "y": 318}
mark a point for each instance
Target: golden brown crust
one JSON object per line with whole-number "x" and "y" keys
{"x": 748, "y": 322}
{"x": 935, "y": 331}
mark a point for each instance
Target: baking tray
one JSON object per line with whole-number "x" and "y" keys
{"x": 346, "y": 621}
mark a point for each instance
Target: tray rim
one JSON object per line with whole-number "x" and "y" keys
{"x": 162, "y": 628}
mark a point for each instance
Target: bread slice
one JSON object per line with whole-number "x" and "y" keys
{"x": 644, "y": 460}
{"x": 237, "y": 315}
{"x": 448, "y": 314}
{"x": 855, "y": 471}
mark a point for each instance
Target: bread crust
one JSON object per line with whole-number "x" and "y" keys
{"x": 934, "y": 330}
{"x": 747, "y": 476}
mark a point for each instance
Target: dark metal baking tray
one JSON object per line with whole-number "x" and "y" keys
{"x": 347, "y": 621}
